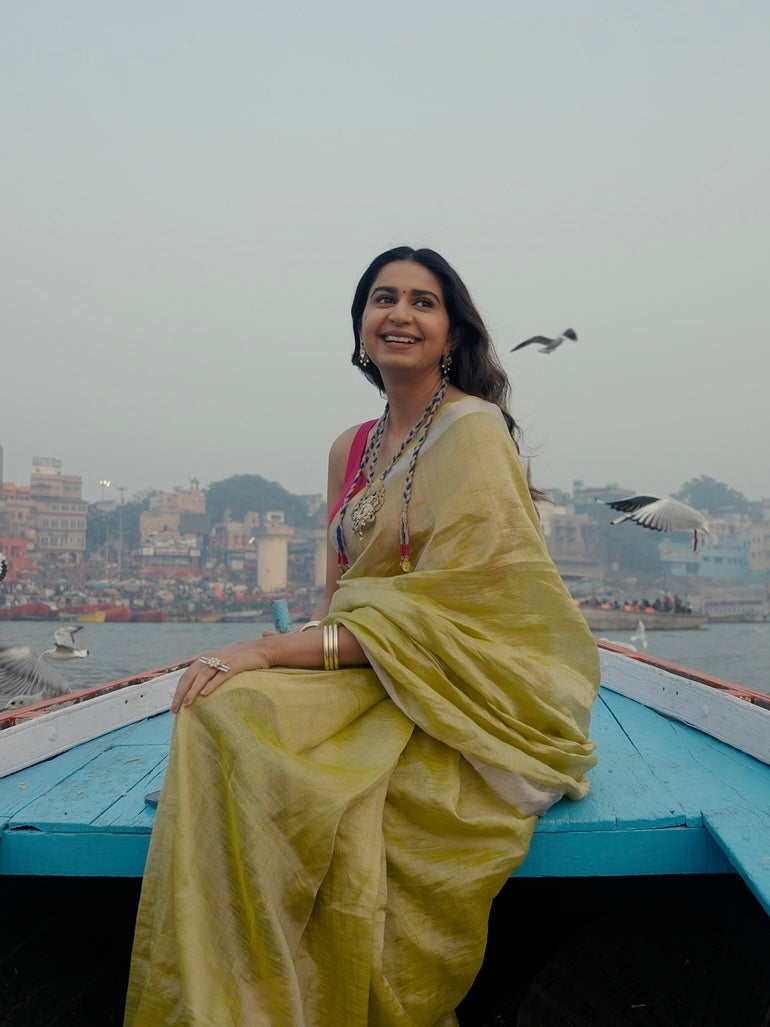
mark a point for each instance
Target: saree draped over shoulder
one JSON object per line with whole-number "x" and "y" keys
{"x": 328, "y": 844}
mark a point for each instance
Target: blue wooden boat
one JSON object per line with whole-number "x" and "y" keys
{"x": 647, "y": 902}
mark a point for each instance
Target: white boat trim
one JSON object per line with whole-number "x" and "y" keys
{"x": 724, "y": 714}
{"x": 38, "y": 738}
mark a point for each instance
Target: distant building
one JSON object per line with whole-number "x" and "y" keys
{"x": 271, "y": 542}
{"x": 585, "y": 497}
{"x": 45, "y": 519}
{"x": 728, "y": 560}
{"x": 759, "y": 549}
{"x": 58, "y": 512}
{"x": 738, "y": 551}
{"x": 572, "y": 539}
{"x": 174, "y": 530}
{"x": 16, "y": 514}
{"x": 172, "y": 514}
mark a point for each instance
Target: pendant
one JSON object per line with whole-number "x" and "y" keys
{"x": 365, "y": 510}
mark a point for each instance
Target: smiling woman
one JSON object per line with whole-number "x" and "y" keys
{"x": 343, "y": 802}
{"x": 405, "y": 323}
{"x": 475, "y": 368}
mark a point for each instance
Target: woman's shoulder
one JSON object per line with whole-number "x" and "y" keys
{"x": 345, "y": 440}
{"x": 349, "y": 446}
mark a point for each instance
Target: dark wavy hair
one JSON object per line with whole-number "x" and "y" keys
{"x": 475, "y": 368}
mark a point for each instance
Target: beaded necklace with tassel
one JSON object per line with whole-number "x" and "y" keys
{"x": 364, "y": 512}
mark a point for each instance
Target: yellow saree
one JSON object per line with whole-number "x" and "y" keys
{"x": 328, "y": 844}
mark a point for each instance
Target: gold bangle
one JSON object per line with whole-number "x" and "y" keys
{"x": 335, "y": 647}
{"x": 310, "y": 624}
{"x": 331, "y": 647}
{"x": 327, "y": 665}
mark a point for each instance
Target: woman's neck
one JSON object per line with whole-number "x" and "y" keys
{"x": 406, "y": 404}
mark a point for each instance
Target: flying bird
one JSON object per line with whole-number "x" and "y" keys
{"x": 664, "y": 514}
{"x": 641, "y": 634}
{"x": 26, "y": 678}
{"x": 64, "y": 647}
{"x": 548, "y": 345}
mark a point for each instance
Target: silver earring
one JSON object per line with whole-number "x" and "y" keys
{"x": 363, "y": 356}
{"x": 446, "y": 363}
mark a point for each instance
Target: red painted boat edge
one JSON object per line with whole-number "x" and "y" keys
{"x": 24, "y": 713}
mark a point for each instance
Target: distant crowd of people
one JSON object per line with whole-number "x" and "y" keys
{"x": 663, "y": 604}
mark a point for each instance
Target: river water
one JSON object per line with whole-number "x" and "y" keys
{"x": 734, "y": 652}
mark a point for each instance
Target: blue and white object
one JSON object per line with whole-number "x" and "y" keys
{"x": 281, "y": 616}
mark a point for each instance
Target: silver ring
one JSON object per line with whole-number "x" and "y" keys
{"x": 214, "y": 662}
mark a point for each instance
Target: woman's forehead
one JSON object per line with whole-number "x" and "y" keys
{"x": 406, "y": 276}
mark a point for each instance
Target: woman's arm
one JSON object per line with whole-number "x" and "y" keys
{"x": 293, "y": 649}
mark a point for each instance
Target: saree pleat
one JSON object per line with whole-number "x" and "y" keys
{"x": 328, "y": 844}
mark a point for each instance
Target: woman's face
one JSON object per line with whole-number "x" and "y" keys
{"x": 405, "y": 324}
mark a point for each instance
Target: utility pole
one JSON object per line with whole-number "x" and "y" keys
{"x": 122, "y": 491}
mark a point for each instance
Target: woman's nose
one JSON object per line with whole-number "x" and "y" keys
{"x": 400, "y": 312}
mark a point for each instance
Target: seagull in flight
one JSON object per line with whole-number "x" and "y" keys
{"x": 661, "y": 514}
{"x": 64, "y": 647}
{"x": 26, "y": 678}
{"x": 548, "y": 345}
{"x": 641, "y": 634}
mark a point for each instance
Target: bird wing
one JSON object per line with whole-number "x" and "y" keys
{"x": 65, "y": 637}
{"x": 632, "y": 503}
{"x": 664, "y": 514}
{"x": 541, "y": 340}
{"x": 24, "y": 673}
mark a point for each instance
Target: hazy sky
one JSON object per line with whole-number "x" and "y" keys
{"x": 191, "y": 190}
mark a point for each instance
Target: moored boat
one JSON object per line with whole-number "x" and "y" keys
{"x": 37, "y": 610}
{"x": 91, "y": 617}
{"x": 601, "y": 618}
{"x": 149, "y": 616}
{"x": 243, "y": 616}
{"x": 118, "y": 615}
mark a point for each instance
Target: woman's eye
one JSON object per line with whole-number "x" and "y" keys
{"x": 422, "y": 302}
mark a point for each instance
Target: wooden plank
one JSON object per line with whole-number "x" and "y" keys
{"x": 739, "y": 723}
{"x": 673, "y": 850}
{"x": 21, "y": 788}
{"x": 745, "y": 838}
{"x": 80, "y": 854}
{"x": 130, "y": 812}
{"x": 156, "y": 730}
{"x": 625, "y": 792}
{"x": 31, "y": 741}
{"x": 89, "y": 791}
{"x": 702, "y": 772}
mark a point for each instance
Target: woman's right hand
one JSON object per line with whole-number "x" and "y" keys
{"x": 203, "y": 676}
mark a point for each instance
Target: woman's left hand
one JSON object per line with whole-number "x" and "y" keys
{"x": 202, "y": 677}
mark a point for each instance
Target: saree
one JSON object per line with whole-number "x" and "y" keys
{"x": 328, "y": 843}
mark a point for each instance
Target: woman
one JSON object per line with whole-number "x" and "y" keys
{"x": 329, "y": 841}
